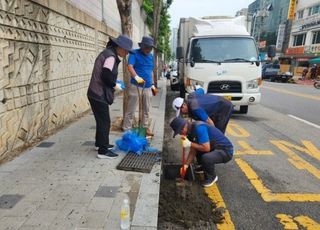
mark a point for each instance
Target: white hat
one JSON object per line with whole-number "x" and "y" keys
{"x": 176, "y": 105}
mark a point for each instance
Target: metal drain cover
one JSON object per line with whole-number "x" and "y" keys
{"x": 134, "y": 162}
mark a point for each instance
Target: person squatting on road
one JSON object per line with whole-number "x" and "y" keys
{"x": 140, "y": 66}
{"x": 214, "y": 110}
{"x": 101, "y": 90}
{"x": 207, "y": 143}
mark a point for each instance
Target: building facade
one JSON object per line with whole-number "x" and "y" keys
{"x": 304, "y": 43}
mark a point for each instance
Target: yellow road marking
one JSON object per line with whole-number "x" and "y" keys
{"x": 293, "y": 93}
{"x": 266, "y": 194}
{"x": 307, "y": 222}
{"x": 215, "y": 195}
{"x": 288, "y": 222}
{"x": 236, "y": 130}
{"x": 297, "y": 161}
{"x": 249, "y": 150}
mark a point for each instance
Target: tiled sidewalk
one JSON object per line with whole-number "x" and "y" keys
{"x": 64, "y": 186}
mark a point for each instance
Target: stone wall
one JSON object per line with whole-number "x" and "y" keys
{"x": 47, "y": 51}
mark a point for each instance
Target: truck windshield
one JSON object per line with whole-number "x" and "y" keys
{"x": 218, "y": 49}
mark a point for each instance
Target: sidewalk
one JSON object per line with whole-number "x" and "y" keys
{"x": 64, "y": 186}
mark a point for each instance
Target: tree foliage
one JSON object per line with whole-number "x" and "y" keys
{"x": 164, "y": 27}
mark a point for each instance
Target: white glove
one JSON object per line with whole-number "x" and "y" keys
{"x": 118, "y": 87}
{"x": 185, "y": 142}
{"x": 139, "y": 79}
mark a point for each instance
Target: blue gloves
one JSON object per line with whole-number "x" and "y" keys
{"x": 120, "y": 85}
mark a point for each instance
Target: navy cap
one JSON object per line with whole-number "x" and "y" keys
{"x": 177, "y": 125}
{"x": 124, "y": 42}
{"x": 146, "y": 42}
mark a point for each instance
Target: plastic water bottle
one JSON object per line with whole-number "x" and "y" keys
{"x": 125, "y": 215}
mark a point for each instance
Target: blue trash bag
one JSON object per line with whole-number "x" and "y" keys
{"x": 131, "y": 142}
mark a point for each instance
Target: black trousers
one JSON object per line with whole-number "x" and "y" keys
{"x": 101, "y": 114}
{"x": 208, "y": 161}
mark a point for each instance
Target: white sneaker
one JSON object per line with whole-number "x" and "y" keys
{"x": 209, "y": 182}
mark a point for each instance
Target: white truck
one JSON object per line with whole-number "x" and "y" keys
{"x": 219, "y": 55}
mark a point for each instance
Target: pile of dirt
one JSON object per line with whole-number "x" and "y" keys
{"x": 194, "y": 211}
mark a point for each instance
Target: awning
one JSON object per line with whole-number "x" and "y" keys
{"x": 315, "y": 60}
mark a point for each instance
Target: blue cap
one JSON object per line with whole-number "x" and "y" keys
{"x": 124, "y": 42}
{"x": 146, "y": 42}
{"x": 177, "y": 125}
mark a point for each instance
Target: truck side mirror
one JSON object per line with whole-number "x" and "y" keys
{"x": 179, "y": 52}
{"x": 271, "y": 51}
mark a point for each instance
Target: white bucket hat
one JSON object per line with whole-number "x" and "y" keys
{"x": 176, "y": 105}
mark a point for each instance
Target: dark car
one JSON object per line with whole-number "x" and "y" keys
{"x": 270, "y": 71}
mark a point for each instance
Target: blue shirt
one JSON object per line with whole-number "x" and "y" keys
{"x": 143, "y": 65}
{"x": 203, "y": 133}
{"x": 203, "y": 106}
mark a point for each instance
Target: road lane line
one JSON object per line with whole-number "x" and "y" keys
{"x": 304, "y": 121}
{"x": 287, "y": 222}
{"x": 249, "y": 150}
{"x": 266, "y": 194}
{"x": 236, "y": 130}
{"x": 307, "y": 222}
{"x": 296, "y": 160}
{"x": 215, "y": 195}
{"x": 293, "y": 93}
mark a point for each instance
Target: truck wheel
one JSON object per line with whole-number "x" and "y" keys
{"x": 272, "y": 79}
{"x": 243, "y": 109}
{"x": 182, "y": 90}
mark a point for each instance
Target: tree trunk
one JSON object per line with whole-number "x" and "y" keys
{"x": 125, "y": 11}
{"x": 156, "y": 21}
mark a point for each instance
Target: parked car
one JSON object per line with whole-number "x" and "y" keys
{"x": 273, "y": 72}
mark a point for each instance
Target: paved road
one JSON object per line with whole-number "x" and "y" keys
{"x": 273, "y": 181}
{"x": 301, "y": 101}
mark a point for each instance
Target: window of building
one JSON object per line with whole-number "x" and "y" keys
{"x": 300, "y": 14}
{"x": 299, "y": 40}
{"x": 310, "y": 11}
{"x": 316, "y": 37}
{"x": 315, "y": 9}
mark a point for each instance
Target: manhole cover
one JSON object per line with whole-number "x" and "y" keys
{"x": 45, "y": 144}
{"x": 142, "y": 163}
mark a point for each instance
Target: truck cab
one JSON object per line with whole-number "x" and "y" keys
{"x": 219, "y": 56}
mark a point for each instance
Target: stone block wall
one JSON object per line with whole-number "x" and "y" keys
{"x": 47, "y": 51}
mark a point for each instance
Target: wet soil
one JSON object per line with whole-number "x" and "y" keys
{"x": 188, "y": 207}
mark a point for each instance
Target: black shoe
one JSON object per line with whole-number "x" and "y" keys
{"x": 209, "y": 182}
{"x": 109, "y": 147}
{"x": 199, "y": 169}
{"x": 107, "y": 155}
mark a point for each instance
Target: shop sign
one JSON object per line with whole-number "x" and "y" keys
{"x": 292, "y": 9}
{"x": 295, "y": 50}
{"x": 310, "y": 24}
{"x": 312, "y": 49}
{"x": 280, "y": 38}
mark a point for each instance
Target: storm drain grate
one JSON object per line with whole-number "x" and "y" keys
{"x": 142, "y": 163}
{"x": 45, "y": 144}
{"x": 88, "y": 143}
{"x": 8, "y": 201}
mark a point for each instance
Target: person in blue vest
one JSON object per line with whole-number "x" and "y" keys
{"x": 140, "y": 66}
{"x": 101, "y": 90}
{"x": 212, "y": 109}
{"x": 207, "y": 143}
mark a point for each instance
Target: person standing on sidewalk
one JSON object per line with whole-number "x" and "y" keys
{"x": 207, "y": 143}
{"x": 101, "y": 89}
{"x": 214, "y": 110}
{"x": 140, "y": 66}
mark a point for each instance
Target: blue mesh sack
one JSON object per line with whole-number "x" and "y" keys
{"x": 132, "y": 142}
